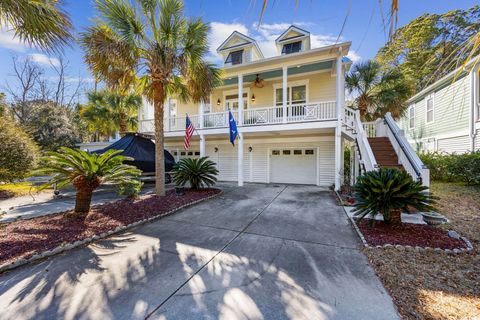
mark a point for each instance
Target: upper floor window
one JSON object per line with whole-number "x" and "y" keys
{"x": 235, "y": 57}
{"x": 292, "y": 47}
{"x": 411, "y": 117}
{"x": 429, "y": 109}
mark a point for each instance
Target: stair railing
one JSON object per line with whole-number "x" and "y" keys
{"x": 367, "y": 159}
{"x": 407, "y": 157}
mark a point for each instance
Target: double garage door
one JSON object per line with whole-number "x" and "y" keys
{"x": 293, "y": 165}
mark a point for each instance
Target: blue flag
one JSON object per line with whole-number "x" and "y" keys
{"x": 233, "y": 128}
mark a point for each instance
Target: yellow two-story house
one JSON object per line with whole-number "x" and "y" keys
{"x": 289, "y": 109}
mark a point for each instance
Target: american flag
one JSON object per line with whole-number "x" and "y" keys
{"x": 189, "y": 129}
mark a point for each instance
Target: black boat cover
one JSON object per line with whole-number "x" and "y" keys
{"x": 142, "y": 150}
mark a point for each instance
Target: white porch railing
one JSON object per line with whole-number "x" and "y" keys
{"x": 367, "y": 158}
{"x": 370, "y": 128}
{"x": 315, "y": 111}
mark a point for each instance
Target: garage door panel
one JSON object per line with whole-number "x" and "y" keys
{"x": 297, "y": 166}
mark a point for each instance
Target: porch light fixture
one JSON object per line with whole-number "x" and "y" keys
{"x": 250, "y": 149}
{"x": 253, "y": 97}
{"x": 215, "y": 149}
{"x": 218, "y": 101}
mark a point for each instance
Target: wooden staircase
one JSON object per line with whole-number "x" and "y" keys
{"x": 384, "y": 153}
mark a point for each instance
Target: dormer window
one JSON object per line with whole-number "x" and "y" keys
{"x": 292, "y": 47}
{"x": 235, "y": 57}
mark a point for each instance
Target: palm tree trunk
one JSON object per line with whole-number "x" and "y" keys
{"x": 158, "y": 100}
{"x": 83, "y": 200}
{"x": 123, "y": 124}
{"x": 395, "y": 217}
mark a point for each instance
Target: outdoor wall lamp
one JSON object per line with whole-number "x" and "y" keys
{"x": 215, "y": 149}
{"x": 218, "y": 101}
{"x": 250, "y": 149}
{"x": 253, "y": 97}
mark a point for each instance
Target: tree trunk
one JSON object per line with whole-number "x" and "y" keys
{"x": 123, "y": 126}
{"x": 395, "y": 217}
{"x": 158, "y": 100}
{"x": 83, "y": 200}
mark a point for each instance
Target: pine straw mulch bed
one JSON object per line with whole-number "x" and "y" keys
{"x": 407, "y": 234}
{"x": 432, "y": 285}
{"x": 24, "y": 238}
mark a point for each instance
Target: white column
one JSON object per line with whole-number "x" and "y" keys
{"x": 240, "y": 159}
{"x": 240, "y": 100}
{"x": 201, "y": 108}
{"x": 284, "y": 92}
{"x": 338, "y": 130}
{"x": 202, "y": 145}
{"x": 168, "y": 115}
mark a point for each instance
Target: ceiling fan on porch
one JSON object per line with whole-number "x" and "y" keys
{"x": 258, "y": 83}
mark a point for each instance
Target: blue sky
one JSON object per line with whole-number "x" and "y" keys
{"x": 323, "y": 18}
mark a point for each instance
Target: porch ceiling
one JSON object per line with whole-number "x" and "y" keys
{"x": 319, "y": 66}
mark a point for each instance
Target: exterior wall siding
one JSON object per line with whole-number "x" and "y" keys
{"x": 459, "y": 144}
{"x": 451, "y": 115}
{"x": 256, "y": 163}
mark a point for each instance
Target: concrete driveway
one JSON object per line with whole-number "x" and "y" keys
{"x": 257, "y": 252}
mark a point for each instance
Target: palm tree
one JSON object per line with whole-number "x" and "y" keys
{"x": 152, "y": 41}
{"x": 86, "y": 172}
{"x": 377, "y": 91}
{"x": 41, "y": 22}
{"x": 120, "y": 110}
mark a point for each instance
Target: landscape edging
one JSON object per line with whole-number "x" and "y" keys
{"x": 71, "y": 245}
{"x": 405, "y": 247}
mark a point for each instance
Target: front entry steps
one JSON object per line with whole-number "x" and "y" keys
{"x": 384, "y": 153}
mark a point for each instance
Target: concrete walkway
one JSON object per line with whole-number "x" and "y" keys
{"x": 257, "y": 252}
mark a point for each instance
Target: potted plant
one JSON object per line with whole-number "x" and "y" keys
{"x": 390, "y": 191}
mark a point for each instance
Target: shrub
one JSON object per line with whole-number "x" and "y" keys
{"x": 130, "y": 189}
{"x": 18, "y": 154}
{"x": 197, "y": 172}
{"x": 453, "y": 167}
{"x": 86, "y": 172}
{"x": 389, "y": 191}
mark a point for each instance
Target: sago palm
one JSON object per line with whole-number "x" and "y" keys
{"x": 118, "y": 108}
{"x": 86, "y": 172}
{"x": 38, "y": 22}
{"x": 152, "y": 41}
{"x": 377, "y": 91}
{"x": 389, "y": 191}
{"x": 197, "y": 172}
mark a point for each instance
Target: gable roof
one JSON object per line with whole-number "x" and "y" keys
{"x": 247, "y": 40}
{"x": 302, "y": 33}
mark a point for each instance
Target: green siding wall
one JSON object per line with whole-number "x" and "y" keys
{"x": 451, "y": 111}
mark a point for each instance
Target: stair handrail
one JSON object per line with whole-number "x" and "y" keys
{"x": 364, "y": 147}
{"x": 412, "y": 157}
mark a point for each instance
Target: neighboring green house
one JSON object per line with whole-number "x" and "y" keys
{"x": 445, "y": 116}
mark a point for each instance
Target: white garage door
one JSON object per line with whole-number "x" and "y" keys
{"x": 293, "y": 166}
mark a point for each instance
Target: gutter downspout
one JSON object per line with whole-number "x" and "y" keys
{"x": 473, "y": 106}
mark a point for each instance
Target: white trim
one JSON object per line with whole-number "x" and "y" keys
{"x": 304, "y": 33}
{"x": 296, "y": 83}
{"x": 232, "y": 92}
{"x": 409, "y": 126}
{"x": 428, "y": 97}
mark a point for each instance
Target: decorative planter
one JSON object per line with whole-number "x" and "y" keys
{"x": 433, "y": 218}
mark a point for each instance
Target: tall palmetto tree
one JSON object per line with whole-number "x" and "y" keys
{"x": 377, "y": 91}
{"x": 38, "y": 22}
{"x": 152, "y": 41}
{"x": 120, "y": 110}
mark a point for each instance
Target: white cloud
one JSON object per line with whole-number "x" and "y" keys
{"x": 8, "y": 39}
{"x": 354, "y": 56}
{"x": 219, "y": 32}
{"x": 43, "y": 59}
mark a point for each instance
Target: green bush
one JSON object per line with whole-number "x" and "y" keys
{"x": 129, "y": 189}
{"x": 453, "y": 167}
{"x": 197, "y": 172}
{"x": 389, "y": 191}
{"x": 18, "y": 154}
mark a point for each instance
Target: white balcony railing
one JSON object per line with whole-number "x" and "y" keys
{"x": 316, "y": 111}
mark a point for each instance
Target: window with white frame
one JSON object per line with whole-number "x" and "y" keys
{"x": 429, "y": 105}
{"x": 411, "y": 117}
{"x": 235, "y": 57}
{"x": 297, "y": 95}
